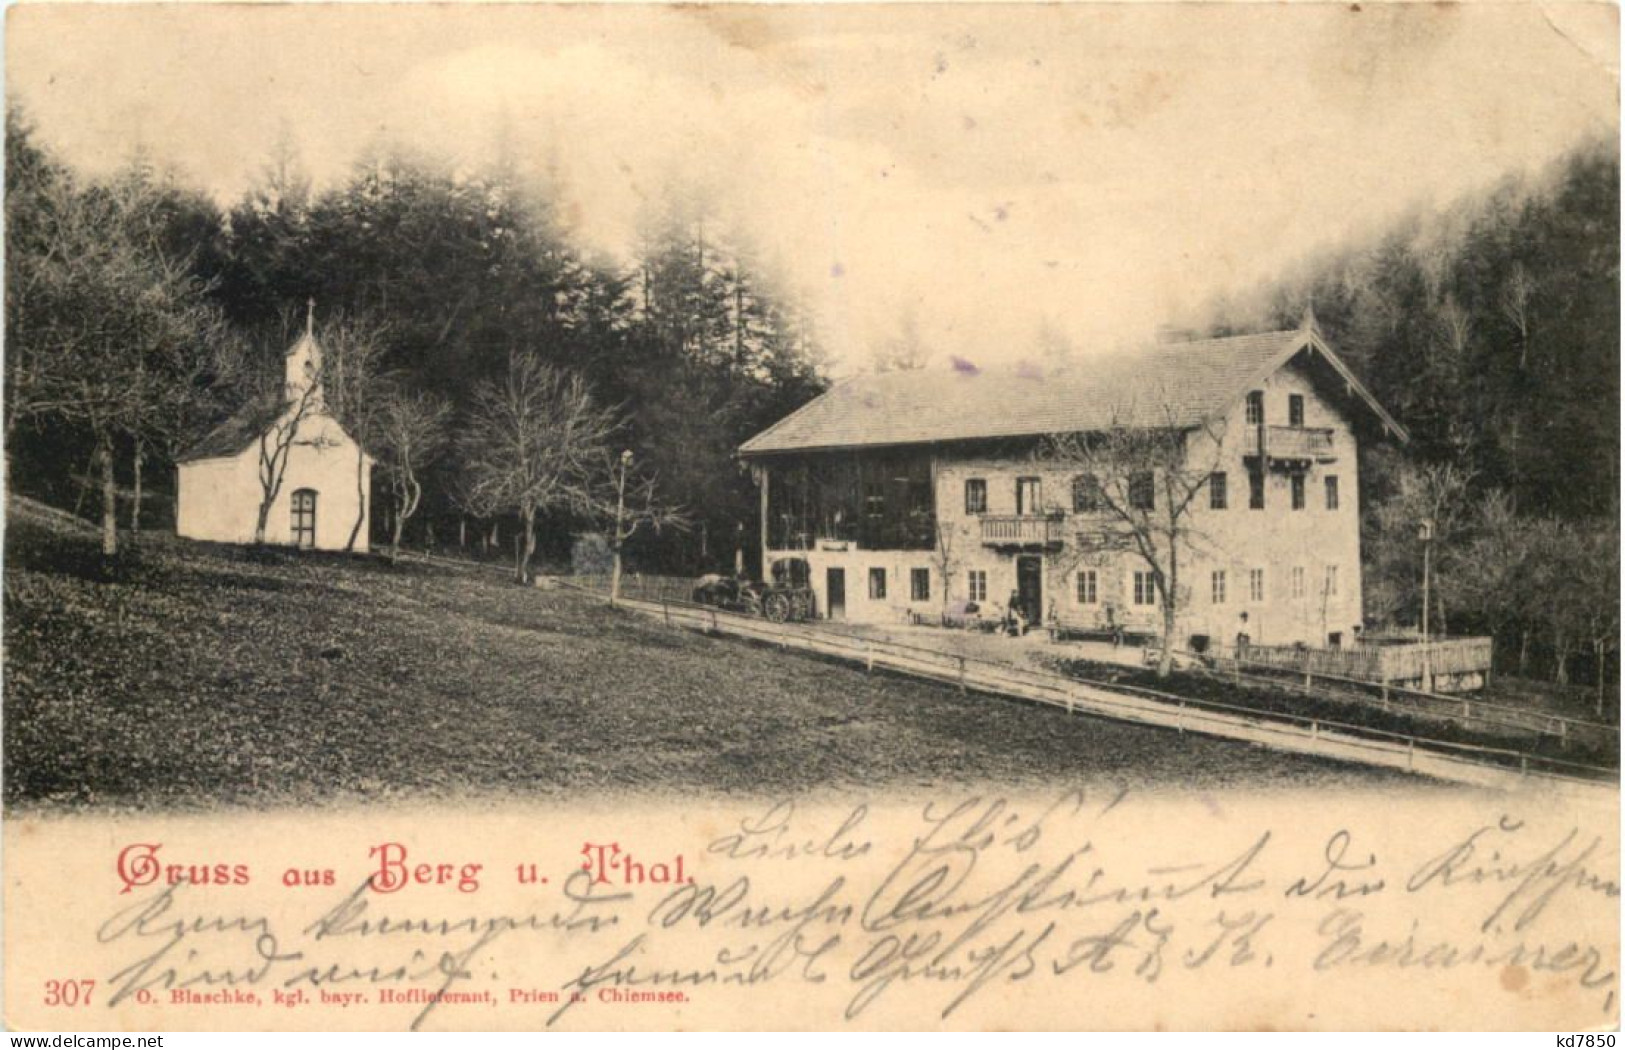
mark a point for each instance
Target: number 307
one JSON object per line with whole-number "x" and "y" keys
{"x": 68, "y": 993}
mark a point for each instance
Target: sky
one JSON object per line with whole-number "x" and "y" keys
{"x": 987, "y": 170}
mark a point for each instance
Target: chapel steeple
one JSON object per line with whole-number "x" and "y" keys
{"x": 303, "y": 367}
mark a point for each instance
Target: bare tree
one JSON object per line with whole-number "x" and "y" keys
{"x": 287, "y": 427}
{"x": 110, "y": 333}
{"x": 946, "y": 558}
{"x": 532, "y": 443}
{"x": 197, "y": 389}
{"x": 284, "y": 184}
{"x": 1599, "y": 557}
{"x": 1144, "y": 479}
{"x": 34, "y": 193}
{"x": 411, "y": 432}
{"x": 626, "y": 502}
{"x": 1516, "y": 302}
{"x": 184, "y": 355}
{"x": 1488, "y": 575}
{"x": 905, "y": 351}
{"x": 1560, "y": 569}
{"x": 1455, "y": 326}
{"x": 1574, "y": 593}
{"x": 353, "y": 389}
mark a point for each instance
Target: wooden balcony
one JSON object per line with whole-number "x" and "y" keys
{"x": 1294, "y": 445}
{"x": 1028, "y": 532}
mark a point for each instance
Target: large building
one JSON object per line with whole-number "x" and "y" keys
{"x": 290, "y": 445}
{"x": 907, "y": 494}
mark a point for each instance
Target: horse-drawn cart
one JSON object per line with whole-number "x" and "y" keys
{"x": 788, "y": 598}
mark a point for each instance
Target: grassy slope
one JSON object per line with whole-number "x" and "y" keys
{"x": 220, "y": 675}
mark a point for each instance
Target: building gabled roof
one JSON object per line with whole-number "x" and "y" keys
{"x": 243, "y": 429}
{"x": 1173, "y": 384}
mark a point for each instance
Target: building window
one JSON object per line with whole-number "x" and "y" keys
{"x": 1142, "y": 490}
{"x": 1331, "y": 492}
{"x": 1255, "y": 488}
{"x": 1029, "y": 496}
{"x": 919, "y": 585}
{"x": 1294, "y": 410}
{"x": 1331, "y": 581}
{"x": 1297, "y": 581}
{"x": 975, "y": 496}
{"x": 1255, "y": 585}
{"x": 1255, "y": 406}
{"x": 1297, "y": 492}
{"x": 1145, "y": 588}
{"x": 976, "y": 581}
{"x": 1218, "y": 491}
{"x": 1218, "y": 587}
{"x": 877, "y": 583}
{"x": 304, "y": 518}
{"x": 1086, "y": 498}
{"x": 1087, "y": 592}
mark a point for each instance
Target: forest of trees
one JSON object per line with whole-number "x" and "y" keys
{"x": 140, "y": 314}
{"x": 457, "y": 303}
{"x": 1491, "y": 330}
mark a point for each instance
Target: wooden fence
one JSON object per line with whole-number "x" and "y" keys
{"x": 1446, "y": 665}
{"x": 635, "y": 586}
{"x": 1463, "y": 709}
{"x": 1463, "y": 663}
{"x": 1317, "y": 683}
{"x": 1467, "y": 763}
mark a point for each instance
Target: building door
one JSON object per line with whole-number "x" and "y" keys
{"x": 1030, "y": 585}
{"x": 835, "y": 588}
{"x": 304, "y": 518}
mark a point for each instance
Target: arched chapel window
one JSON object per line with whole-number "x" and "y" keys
{"x": 304, "y": 518}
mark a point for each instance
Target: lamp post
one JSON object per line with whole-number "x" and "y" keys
{"x": 1425, "y": 534}
{"x": 620, "y": 513}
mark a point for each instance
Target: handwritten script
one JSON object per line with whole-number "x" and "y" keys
{"x": 938, "y": 913}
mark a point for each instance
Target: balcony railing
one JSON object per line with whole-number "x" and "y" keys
{"x": 1028, "y": 531}
{"x": 1296, "y": 443}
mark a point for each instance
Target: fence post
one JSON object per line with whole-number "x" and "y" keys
{"x": 714, "y": 628}
{"x": 665, "y": 608}
{"x": 868, "y": 658}
{"x": 961, "y": 674}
